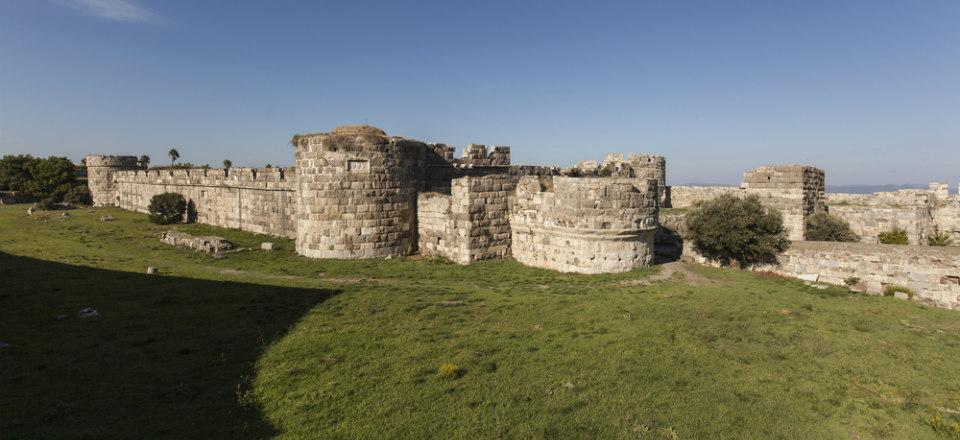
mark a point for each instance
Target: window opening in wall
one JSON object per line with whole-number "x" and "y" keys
{"x": 358, "y": 166}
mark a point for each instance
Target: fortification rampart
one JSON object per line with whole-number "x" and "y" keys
{"x": 469, "y": 224}
{"x": 931, "y": 273}
{"x": 584, "y": 224}
{"x": 257, "y": 200}
{"x": 922, "y": 213}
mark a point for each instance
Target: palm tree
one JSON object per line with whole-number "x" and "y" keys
{"x": 227, "y": 163}
{"x": 174, "y": 155}
{"x": 144, "y": 162}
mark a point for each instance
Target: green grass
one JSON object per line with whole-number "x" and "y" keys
{"x": 267, "y": 344}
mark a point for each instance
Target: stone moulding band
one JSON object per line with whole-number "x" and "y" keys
{"x": 587, "y": 234}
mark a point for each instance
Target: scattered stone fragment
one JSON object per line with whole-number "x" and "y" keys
{"x": 64, "y": 215}
{"x": 450, "y": 303}
{"x": 151, "y": 270}
{"x": 4, "y": 345}
{"x": 106, "y": 218}
{"x": 30, "y": 210}
{"x": 209, "y": 243}
{"x": 820, "y": 286}
{"x": 88, "y": 313}
{"x": 901, "y": 295}
{"x": 267, "y": 246}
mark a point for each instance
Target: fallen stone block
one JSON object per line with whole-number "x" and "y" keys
{"x": 106, "y": 218}
{"x": 209, "y": 243}
{"x": 151, "y": 270}
{"x": 811, "y": 277}
{"x": 268, "y": 246}
{"x": 88, "y": 312}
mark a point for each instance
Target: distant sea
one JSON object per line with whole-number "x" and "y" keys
{"x": 850, "y": 189}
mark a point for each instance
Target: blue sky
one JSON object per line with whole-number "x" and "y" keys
{"x": 867, "y": 90}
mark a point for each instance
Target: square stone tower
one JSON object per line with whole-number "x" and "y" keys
{"x": 796, "y": 190}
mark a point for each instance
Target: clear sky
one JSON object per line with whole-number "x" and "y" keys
{"x": 867, "y": 90}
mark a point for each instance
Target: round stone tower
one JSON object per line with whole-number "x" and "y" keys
{"x": 356, "y": 193}
{"x": 100, "y": 171}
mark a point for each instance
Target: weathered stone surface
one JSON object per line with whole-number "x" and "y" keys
{"x": 928, "y": 271}
{"x": 584, "y": 224}
{"x": 208, "y": 243}
{"x": 268, "y": 246}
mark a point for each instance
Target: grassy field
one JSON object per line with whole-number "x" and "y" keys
{"x": 267, "y": 344}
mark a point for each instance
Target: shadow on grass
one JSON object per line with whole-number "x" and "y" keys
{"x": 167, "y": 357}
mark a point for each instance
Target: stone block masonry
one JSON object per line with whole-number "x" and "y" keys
{"x": 584, "y": 224}
{"x": 256, "y": 200}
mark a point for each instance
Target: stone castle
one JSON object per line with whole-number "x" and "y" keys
{"x": 357, "y": 193}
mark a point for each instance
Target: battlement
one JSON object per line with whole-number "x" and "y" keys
{"x": 99, "y": 160}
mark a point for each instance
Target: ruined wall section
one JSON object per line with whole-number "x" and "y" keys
{"x": 356, "y": 193}
{"x": 922, "y": 213}
{"x": 471, "y": 223}
{"x": 584, "y": 224}
{"x": 687, "y": 196}
{"x": 100, "y": 171}
{"x": 796, "y": 190}
{"x": 255, "y": 200}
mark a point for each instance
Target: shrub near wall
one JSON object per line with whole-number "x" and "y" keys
{"x": 825, "y": 227}
{"x": 729, "y": 228}
{"x": 167, "y": 208}
{"x": 895, "y": 236}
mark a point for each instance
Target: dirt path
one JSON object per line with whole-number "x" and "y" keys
{"x": 676, "y": 270}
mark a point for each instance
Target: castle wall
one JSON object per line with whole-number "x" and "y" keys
{"x": 584, "y": 224}
{"x": 687, "y": 196}
{"x": 471, "y": 223}
{"x": 255, "y": 200}
{"x": 870, "y": 221}
{"x": 100, "y": 171}
{"x": 356, "y": 194}
{"x": 796, "y": 190}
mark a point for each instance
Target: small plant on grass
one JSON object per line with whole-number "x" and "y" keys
{"x": 825, "y": 227}
{"x": 939, "y": 239}
{"x": 851, "y": 281}
{"x": 167, "y": 208}
{"x": 894, "y": 236}
{"x": 729, "y": 228}
{"x": 450, "y": 371}
{"x": 78, "y": 195}
{"x": 892, "y": 290}
{"x": 949, "y": 426}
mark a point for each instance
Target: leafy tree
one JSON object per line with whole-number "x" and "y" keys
{"x": 227, "y": 163}
{"x": 174, "y": 155}
{"x": 143, "y": 162}
{"x": 894, "y": 236}
{"x": 729, "y": 228}
{"x": 167, "y": 208}
{"x": 15, "y": 172}
{"x": 825, "y": 227}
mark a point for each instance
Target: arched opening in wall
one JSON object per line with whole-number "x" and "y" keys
{"x": 281, "y": 173}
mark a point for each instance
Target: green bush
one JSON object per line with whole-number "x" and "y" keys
{"x": 825, "y": 227}
{"x": 729, "y": 228}
{"x": 167, "y": 208}
{"x": 78, "y": 195}
{"x": 851, "y": 281}
{"x": 939, "y": 239}
{"x": 894, "y": 236}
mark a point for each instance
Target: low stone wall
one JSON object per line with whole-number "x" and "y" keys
{"x": 870, "y": 221}
{"x": 255, "y": 200}
{"x": 469, "y": 224}
{"x": 931, "y": 273}
{"x": 584, "y": 224}
{"x": 687, "y": 196}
